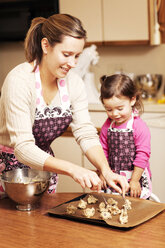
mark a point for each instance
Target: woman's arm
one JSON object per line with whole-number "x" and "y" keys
{"x": 18, "y": 103}
{"x": 85, "y": 177}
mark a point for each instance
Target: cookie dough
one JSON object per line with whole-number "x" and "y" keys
{"x": 82, "y": 204}
{"x": 71, "y": 209}
{"x": 91, "y": 199}
{"x": 89, "y": 212}
{"x": 105, "y": 215}
{"x": 123, "y": 218}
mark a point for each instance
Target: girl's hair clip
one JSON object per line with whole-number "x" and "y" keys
{"x": 103, "y": 78}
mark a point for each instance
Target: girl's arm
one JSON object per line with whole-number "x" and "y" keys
{"x": 142, "y": 139}
{"x": 135, "y": 188}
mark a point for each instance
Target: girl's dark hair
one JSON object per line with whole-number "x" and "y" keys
{"x": 54, "y": 28}
{"x": 120, "y": 85}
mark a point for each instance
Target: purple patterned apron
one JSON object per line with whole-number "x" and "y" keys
{"x": 122, "y": 153}
{"x": 50, "y": 122}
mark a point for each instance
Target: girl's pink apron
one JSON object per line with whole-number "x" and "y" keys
{"x": 122, "y": 153}
{"x": 50, "y": 122}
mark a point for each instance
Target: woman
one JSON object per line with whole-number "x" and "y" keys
{"x": 42, "y": 97}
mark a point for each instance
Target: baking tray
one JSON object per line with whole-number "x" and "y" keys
{"x": 142, "y": 210}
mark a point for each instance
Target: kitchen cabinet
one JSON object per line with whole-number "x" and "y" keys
{"x": 89, "y": 12}
{"x": 114, "y": 22}
{"x": 66, "y": 148}
{"x": 161, "y": 19}
{"x": 125, "y": 21}
{"x": 156, "y": 124}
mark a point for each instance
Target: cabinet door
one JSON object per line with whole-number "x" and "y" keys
{"x": 155, "y": 122}
{"x": 67, "y": 149}
{"x": 161, "y": 19}
{"x": 157, "y": 162}
{"x": 89, "y": 12}
{"x": 125, "y": 20}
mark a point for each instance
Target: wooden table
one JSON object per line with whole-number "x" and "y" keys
{"x": 37, "y": 229}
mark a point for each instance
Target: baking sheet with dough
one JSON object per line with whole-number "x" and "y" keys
{"x": 142, "y": 210}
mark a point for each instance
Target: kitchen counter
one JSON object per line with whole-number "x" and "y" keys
{"x": 36, "y": 229}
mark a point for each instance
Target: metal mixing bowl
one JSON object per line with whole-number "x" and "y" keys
{"x": 25, "y": 186}
{"x": 149, "y": 84}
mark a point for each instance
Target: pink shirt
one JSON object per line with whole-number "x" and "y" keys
{"x": 142, "y": 139}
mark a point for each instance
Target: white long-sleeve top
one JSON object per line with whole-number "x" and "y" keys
{"x": 17, "y": 113}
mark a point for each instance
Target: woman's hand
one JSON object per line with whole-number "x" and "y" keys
{"x": 135, "y": 188}
{"x": 87, "y": 178}
{"x": 116, "y": 181}
{"x": 97, "y": 157}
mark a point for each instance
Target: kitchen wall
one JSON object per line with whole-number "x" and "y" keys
{"x": 11, "y": 54}
{"x": 136, "y": 59}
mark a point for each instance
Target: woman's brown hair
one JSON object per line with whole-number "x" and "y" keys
{"x": 54, "y": 28}
{"x": 120, "y": 85}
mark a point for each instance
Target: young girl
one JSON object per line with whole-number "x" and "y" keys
{"x": 125, "y": 137}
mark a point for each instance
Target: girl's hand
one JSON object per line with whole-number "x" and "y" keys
{"x": 135, "y": 188}
{"x": 87, "y": 178}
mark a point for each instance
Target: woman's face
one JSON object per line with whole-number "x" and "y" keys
{"x": 119, "y": 109}
{"x": 63, "y": 56}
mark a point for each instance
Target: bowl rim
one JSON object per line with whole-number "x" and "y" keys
{"x": 5, "y": 179}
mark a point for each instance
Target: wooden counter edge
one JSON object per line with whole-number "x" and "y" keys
{"x": 68, "y": 132}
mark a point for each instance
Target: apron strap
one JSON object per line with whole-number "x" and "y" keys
{"x": 130, "y": 122}
{"x": 63, "y": 90}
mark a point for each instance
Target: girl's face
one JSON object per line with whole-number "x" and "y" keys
{"x": 63, "y": 56}
{"x": 119, "y": 109}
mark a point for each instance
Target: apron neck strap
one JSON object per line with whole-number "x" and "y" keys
{"x": 129, "y": 123}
